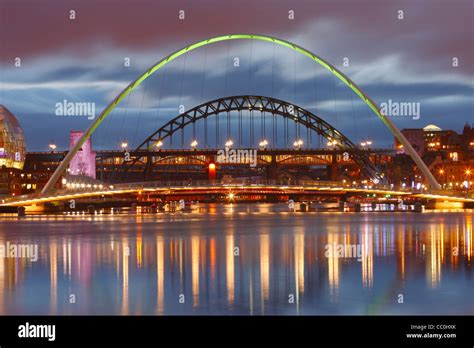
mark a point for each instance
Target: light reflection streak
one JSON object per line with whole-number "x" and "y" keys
{"x": 333, "y": 267}
{"x": 213, "y": 253}
{"x": 69, "y": 259}
{"x": 160, "y": 271}
{"x": 139, "y": 248}
{"x": 469, "y": 247}
{"x": 434, "y": 259}
{"x": 125, "y": 260}
{"x": 264, "y": 268}
{"x": 367, "y": 259}
{"x": 195, "y": 269}
{"x": 299, "y": 261}
{"x": 64, "y": 257}
{"x": 230, "y": 268}
{"x": 2, "y": 284}
{"x": 53, "y": 266}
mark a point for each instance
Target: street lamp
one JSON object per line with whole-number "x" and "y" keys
{"x": 159, "y": 144}
{"x": 332, "y": 143}
{"x": 124, "y": 144}
{"x": 52, "y": 146}
{"x": 263, "y": 143}
{"x": 229, "y": 143}
{"x": 194, "y": 143}
{"x": 445, "y": 175}
{"x": 298, "y": 143}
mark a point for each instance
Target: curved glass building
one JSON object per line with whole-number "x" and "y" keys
{"x": 12, "y": 141}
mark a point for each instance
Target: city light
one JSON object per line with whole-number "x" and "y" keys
{"x": 229, "y": 143}
{"x": 194, "y": 143}
{"x": 332, "y": 143}
{"x": 159, "y": 144}
{"x": 124, "y": 145}
{"x": 52, "y": 146}
{"x": 263, "y": 143}
{"x": 298, "y": 143}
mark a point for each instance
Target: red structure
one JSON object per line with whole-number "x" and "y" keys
{"x": 212, "y": 171}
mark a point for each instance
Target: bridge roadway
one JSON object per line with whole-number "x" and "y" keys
{"x": 58, "y": 156}
{"x": 209, "y": 188}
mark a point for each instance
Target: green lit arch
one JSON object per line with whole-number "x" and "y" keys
{"x": 390, "y": 125}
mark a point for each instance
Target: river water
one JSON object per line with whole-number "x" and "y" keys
{"x": 245, "y": 259}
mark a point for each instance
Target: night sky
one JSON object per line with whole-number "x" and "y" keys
{"x": 405, "y": 60}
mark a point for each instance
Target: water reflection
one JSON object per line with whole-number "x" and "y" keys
{"x": 333, "y": 266}
{"x": 195, "y": 268}
{"x": 367, "y": 259}
{"x": 125, "y": 260}
{"x": 160, "y": 272}
{"x": 236, "y": 261}
{"x": 264, "y": 266}
{"x": 53, "y": 269}
{"x": 229, "y": 263}
{"x": 298, "y": 250}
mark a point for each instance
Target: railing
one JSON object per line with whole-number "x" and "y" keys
{"x": 234, "y": 182}
{"x": 369, "y": 150}
{"x": 224, "y": 183}
{"x": 171, "y": 184}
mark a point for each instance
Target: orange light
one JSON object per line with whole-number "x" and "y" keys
{"x": 212, "y": 171}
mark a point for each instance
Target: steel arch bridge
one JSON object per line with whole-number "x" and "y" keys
{"x": 370, "y": 103}
{"x": 260, "y": 104}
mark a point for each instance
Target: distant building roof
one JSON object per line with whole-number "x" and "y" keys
{"x": 432, "y": 128}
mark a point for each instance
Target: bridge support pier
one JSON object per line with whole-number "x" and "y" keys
{"x": 21, "y": 211}
{"x": 333, "y": 170}
{"x": 148, "y": 168}
{"x": 273, "y": 170}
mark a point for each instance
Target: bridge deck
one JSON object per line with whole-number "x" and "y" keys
{"x": 216, "y": 188}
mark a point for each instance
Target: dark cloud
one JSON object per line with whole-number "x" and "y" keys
{"x": 407, "y": 60}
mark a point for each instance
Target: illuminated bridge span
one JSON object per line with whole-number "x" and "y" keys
{"x": 60, "y": 170}
{"x": 186, "y": 189}
{"x": 314, "y": 126}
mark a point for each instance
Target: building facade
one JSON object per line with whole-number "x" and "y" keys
{"x": 448, "y": 154}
